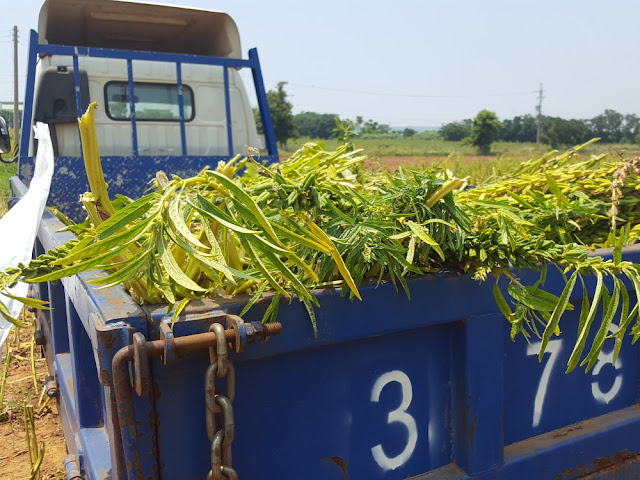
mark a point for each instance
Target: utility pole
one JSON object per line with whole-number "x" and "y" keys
{"x": 16, "y": 116}
{"x": 539, "y": 117}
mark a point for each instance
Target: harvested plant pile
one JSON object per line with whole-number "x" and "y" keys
{"x": 319, "y": 220}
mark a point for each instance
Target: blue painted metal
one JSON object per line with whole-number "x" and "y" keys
{"x": 227, "y": 108}
{"x": 183, "y": 130}
{"x": 76, "y": 80}
{"x": 263, "y": 104}
{"x": 125, "y": 175}
{"x": 132, "y": 107}
{"x": 138, "y": 169}
{"x": 27, "y": 108}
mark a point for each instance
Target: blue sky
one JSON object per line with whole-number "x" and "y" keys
{"x": 425, "y": 63}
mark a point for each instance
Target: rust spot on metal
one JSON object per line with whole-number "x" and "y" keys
{"x": 610, "y": 464}
{"x": 340, "y": 462}
{"x": 565, "y": 431}
{"x": 599, "y": 465}
{"x": 125, "y": 429}
{"x": 472, "y": 427}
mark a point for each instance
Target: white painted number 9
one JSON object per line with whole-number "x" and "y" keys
{"x": 398, "y": 415}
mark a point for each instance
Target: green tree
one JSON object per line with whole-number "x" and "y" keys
{"x": 409, "y": 132}
{"x": 371, "y": 127}
{"x": 608, "y": 126}
{"x": 281, "y": 115}
{"x": 519, "y": 129}
{"x": 315, "y": 125}
{"x": 484, "y": 131}
{"x": 558, "y": 132}
{"x": 631, "y": 128}
{"x": 456, "y": 131}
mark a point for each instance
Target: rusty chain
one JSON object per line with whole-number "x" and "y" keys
{"x": 220, "y": 406}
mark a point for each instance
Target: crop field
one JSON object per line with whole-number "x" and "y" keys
{"x": 458, "y": 157}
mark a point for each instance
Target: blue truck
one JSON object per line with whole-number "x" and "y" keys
{"x": 391, "y": 388}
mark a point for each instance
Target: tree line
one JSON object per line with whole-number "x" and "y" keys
{"x": 317, "y": 125}
{"x": 610, "y": 126}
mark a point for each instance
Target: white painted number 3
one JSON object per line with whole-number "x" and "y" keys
{"x": 398, "y": 415}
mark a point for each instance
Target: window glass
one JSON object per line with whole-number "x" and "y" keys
{"x": 153, "y": 101}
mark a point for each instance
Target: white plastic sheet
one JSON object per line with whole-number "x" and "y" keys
{"x": 19, "y": 226}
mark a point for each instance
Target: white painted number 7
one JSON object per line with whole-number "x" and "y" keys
{"x": 398, "y": 415}
{"x": 553, "y": 347}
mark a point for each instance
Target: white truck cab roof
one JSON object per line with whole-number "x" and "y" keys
{"x": 138, "y": 26}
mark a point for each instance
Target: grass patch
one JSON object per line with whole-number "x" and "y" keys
{"x": 6, "y": 171}
{"x": 460, "y": 158}
{"x": 415, "y": 146}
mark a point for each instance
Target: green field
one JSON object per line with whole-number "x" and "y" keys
{"x": 6, "y": 171}
{"x": 459, "y": 157}
{"x": 409, "y": 147}
{"x": 420, "y": 153}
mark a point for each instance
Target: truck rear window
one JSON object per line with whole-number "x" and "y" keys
{"x": 153, "y": 101}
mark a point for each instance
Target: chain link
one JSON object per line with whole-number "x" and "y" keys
{"x": 220, "y": 406}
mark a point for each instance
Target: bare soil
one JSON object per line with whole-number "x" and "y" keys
{"x": 391, "y": 163}
{"x": 15, "y": 463}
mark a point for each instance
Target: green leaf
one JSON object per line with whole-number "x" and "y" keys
{"x": 312, "y": 316}
{"x": 123, "y": 217}
{"x": 181, "y": 227}
{"x": 172, "y": 268}
{"x": 502, "y": 304}
{"x": 4, "y": 312}
{"x": 586, "y": 324}
{"x": 625, "y": 320}
{"x": 557, "y": 313}
{"x": 324, "y": 239}
{"x": 80, "y": 267}
{"x": 245, "y": 199}
{"x": 294, "y": 237}
{"x": 209, "y": 210}
{"x": 263, "y": 269}
{"x": 261, "y": 289}
{"x": 422, "y": 234}
{"x": 133, "y": 267}
{"x": 178, "y": 310}
{"x": 28, "y": 301}
{"x": 297, "y": 285}
{"x": 610, "y": 311}
{"x": 121, "y": 239}
{"x": 534, "y": 297}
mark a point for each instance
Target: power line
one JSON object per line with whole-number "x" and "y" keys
{"x": 410, "y": 95}
{"x": 407, "y": 95}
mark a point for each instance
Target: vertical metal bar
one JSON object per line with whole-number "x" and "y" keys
{"x": 132, "y": 106}
{"x": 76, "y": 81}
{"x": 479, "y": 436}
{"x": 227, "y": 104}
{"x": 263, "y": 105}
{"x": 86, "y": 387}
{"x": 183, "y": 130}
{"x": 27, "y": 107}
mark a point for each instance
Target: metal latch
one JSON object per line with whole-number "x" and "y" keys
{"x": 219, "y": 340}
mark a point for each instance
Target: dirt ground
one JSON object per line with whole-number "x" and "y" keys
{"x": 391, "y": 163}
{"x": 15, "y": 463}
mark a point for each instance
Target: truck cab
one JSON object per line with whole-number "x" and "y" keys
{"x": 168, "y": 88}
